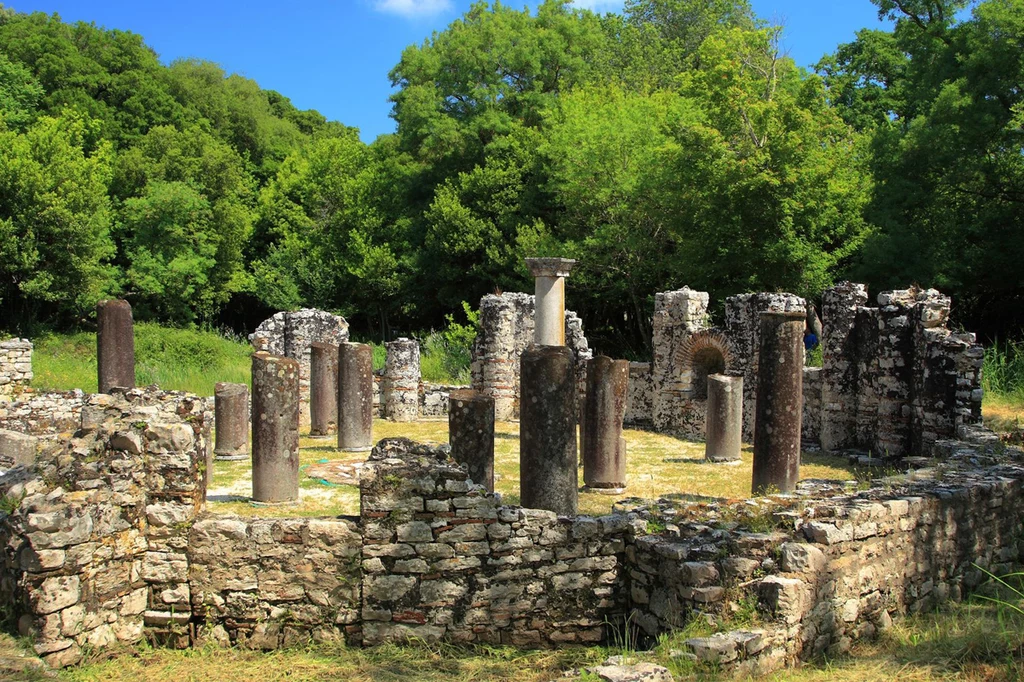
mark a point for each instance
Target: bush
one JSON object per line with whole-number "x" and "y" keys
{"x": 1003, "y": 371}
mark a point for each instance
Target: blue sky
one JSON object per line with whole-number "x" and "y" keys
{"x": 335, "y": 55}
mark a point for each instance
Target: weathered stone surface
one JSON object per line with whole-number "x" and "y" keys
{"x": 401, "y": 380}
{"x": 17, "y": 448}
{"x": 275, "y": 428}
{"x": 603, "y": 447}
{"x": 471, "y": 434}
{"x": 547, "y": 430}
{"x": 232, "y": 414}
{"x": 635, "y": 672}
{"x": 550, "y": 274}
{"x": 15, "y": 364}
{"x": 323, "y": 389}
{"x": 355, "y": 396}
{"x": 724, "y": 438}
{"x": 115, "y": 345}
{"x": 779, "y": 402}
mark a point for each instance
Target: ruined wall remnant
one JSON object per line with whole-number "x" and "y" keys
{"x": 639, "y": 395}
{"x": 401, "y": 386}
{"x": 95, "y": 548}
{"x": 15, "y": 364}
{"x": 506, "y": 330}
{"x": 895, "y": 378}
{"x": 678, "y": 315}
{"x": 291, "y": 333}
{"x": 108, "y": 544}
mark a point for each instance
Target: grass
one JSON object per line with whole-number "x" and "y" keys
{"x": 175, "y": 359}
{"x": 657, "y": 465}
{"x": 970, "y": 642}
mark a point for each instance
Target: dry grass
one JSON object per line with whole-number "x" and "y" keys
{"x": 1002, "y": 412}
{"x": 657, "y": 465}
{"x": 972, "y": 642}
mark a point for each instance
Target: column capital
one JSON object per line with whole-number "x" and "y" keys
{"x": 550, "y": 267}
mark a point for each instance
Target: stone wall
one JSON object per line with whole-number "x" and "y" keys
{"x": 94, "y": 542}
{"x": 15, "y": 364}
{"x": 43, "y": 414}
{"x": 639, "y": 396}
{"x": 838, "y": 566}
{"x": 107, "y": 543}
{"x": 810, "y": 423}
{"x": 506, "y": 330}
{"x": 268, "y": 583}
{"x": 444, "y": 559}
{"x": 290, "y": 334}
{"x": 895, "y": 378}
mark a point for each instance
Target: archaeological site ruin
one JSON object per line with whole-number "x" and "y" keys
{"x": 108, "y": 539}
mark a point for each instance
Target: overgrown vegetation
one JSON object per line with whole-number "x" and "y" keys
{"x": 673, "y": 143}
{"x": 175, "y": 359}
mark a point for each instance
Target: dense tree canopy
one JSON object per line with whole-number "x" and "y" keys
{"x": 671, "y": 144}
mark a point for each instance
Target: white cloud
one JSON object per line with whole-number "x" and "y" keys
{"x": 599, "y": 5}
{"x": 412, "y": 8}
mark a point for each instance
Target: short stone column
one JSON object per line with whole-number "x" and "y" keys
{"x": 604, "y": 453}
{"x": 115, "y": 345}
{"x": 355, "y": 397}
{"x": 549, "y": 320}
{"x": 779, "y": 403}
{"x": 323, "y": 389}
{"x": 471, "y": 434}
{"x": 547, "y": 430}
{"x": 724, "y": 421}
{"x": 401, "y": 396}
{"x": 231, "y": 407}
{"x": 275, "y": 429}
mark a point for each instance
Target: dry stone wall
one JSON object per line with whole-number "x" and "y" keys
{"x": 837, "y": 568}
{"x": 105, "y": 542}
{"x": 290, "y": 334}
{"x": 895, "y": 378}
{"x": 15, "y": 364}
{"x": 268, "y": 583}
{"x": 444, "y": 559}
{"x": 94, "y": 542}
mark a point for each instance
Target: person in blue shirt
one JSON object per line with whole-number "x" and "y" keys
{"x": 810, "y": 339}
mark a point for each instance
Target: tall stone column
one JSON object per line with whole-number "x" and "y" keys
{"x": 323, "y": 389}
{"x": 355, "y": 397}
{"x": 471, "y": 434}
{"x": 779, "y": 401}
{"x": 604, "y": 453}
{"x": 547, "y": 430}
{"x": 115, "y": 345}
{"x": 401, "y": 396}
{"x": 549, "y": 324}
{"x": 724, "y": 423}
{"x": 231, "y": 407}
{"x": 839, "y": 306}
{"x": 275, "y": 429}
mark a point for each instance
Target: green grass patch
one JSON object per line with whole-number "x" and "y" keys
{"x": 175, "y": 359}
{"x": 1003, "y": 370}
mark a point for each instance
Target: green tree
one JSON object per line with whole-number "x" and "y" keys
{"x": 55, "y": 244}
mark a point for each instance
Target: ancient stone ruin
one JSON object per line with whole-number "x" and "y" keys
{"x": 107, "y": 539}
{"x": 290, "y": 334}
{"x": 15, "y": 364}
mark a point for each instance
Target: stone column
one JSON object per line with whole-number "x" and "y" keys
{"x": 323, "y": 389}
{"x": 402, "y": 380}
{"x": 604, "y": 453}
{"x": 547, "y": 430}
{"x": 115, "y": 345}
{"x": 549, "y": 324}
{"x": 231, "y": 405}
{"x": 839, "y": 305}
{"x": 724, "y": 423}
{"x": 779, "y": 401}
{"x": 471, "y": 434}
{"x": 275, "y": 429}
{"x": 355, "y": 397}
